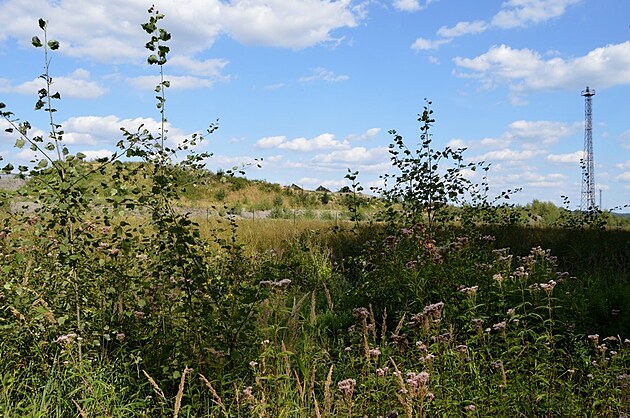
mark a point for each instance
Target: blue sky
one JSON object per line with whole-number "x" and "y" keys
{"x": 314, "y": 86}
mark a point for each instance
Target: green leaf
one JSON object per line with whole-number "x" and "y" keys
{"x": 36, "y": 42}
{"x": 54, "y": 45}
{"x": 42, "y": 164}
{"x": 50, "y": 146}
{"x": 8, "y": 168}
{"x": 153, "y": 59}
{"x": 81, "y": 156}
{"x": 19, "y": 143}
{"x": 42, "y": 24}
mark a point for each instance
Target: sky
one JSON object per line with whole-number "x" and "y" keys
{"x": 313, "y": 87}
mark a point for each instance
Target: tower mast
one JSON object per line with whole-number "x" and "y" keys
{"x": 588, "y": 164}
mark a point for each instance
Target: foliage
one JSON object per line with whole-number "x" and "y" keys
{"x": 132, "y": 307}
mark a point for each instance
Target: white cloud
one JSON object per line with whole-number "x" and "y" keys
{"x": 93, "y": 130}
{"x": 514, "y": 13}
{"x": 570, "y": 158}
{"x": 624, "y": 176}
{"x": 462, "y": 28}
{"x": 77, "y": 84}
{"x": 456, "y": 143}
{"x": 422, "y": 44}
{"x": 370, "y": 133}
{"x": 411, "y": 5}
{"x": 178, "y": 82}
{"x": 205, "y": 68}
{"x": 508, "y": 155}
{"x": 109, "y": 30}
{"x": 91, "y": 155}
{"x": 624, "y": 166}
{"x": 625, "y": 139}
{"x": 354, "y": 155}
{"x": 323, "y": 74}
{"x": 320, "y": 142}
{"x": 518, "y": 13}
{"x": 534, "y": 133}
{"x": 526, "y": 70}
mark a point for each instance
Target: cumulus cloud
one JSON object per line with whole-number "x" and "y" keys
{"x": 354, "y": 155}
{"x": 422, "y": 44}
{"x": 508, "y": 155}
{"x": 178, "y": 82}
{"x": 570, "y": 158}
{"x": 91, "y": 155}
{"x": 532, "y": 134}
{"x": 462, "y": 28}
{"x": 323, "y": 74}
{"x": 102, "y": 130}
{"x": 77, "y": 84}
{"x": 109, "y": 30}
{"x": 513, "y": 13}
{"x": 518, "y": 13}
{"x": 320, "y": 142}
{"x": 524, "y": 70}
{"x": 411, "y": 5}
{"x": 205, "y": 68}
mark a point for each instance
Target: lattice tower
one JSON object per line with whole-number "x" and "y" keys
{"x": 588, "y": 163}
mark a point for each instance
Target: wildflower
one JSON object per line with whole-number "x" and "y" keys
{"x": 360, "y": 313}
{"x": 442, "y": 338}
{"x": 497, "y": 364}
{"x": 265, "y": 342}
{"x": 616, "y": 312}
{"x": 374, "y": 352}
{"x": 382, "y": 372}
{"x": 478, "y": 323}
{"x": 626, "y": 342}
{"x": 421, "y": 346}
{"x": 347, "y": 349}
{"x": 412, "y": 265}
{"x": 511, "y": 312}
{"x": 469, "y": 291}
{"x": 489, "y": 238}
{"x": 462, "y": 348}
{"x": 498, "y": 278}
{"x": 521, "y": 273}
{"x": 248, "y": 396}
{"x": 470, "y": 408}
{"x": 138, "y": 314}
{"x": 594, "y": 338}
{"x": 428, "y": 357}
{"x": 406, "y": 232}
{"x": 253, "y": 364}
{"x": 278, "y": 284}
{"x": 499, "y": 326}
{"x": 624, "y": 381}
{"x": 548, "y": 287}
{"x": 347, "y": 387}
{"x": 120, "y": 336}
{"x": 590, "y": 375}
{"x": 68, "y": 338}
{"x": 417, "y": 379}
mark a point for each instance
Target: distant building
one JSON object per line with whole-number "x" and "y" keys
{"x": 322, "y": 189}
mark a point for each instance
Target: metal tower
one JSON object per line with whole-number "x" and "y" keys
{"x": 588, "y": 164}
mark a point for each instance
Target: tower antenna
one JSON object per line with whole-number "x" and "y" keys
{"x": 588, "y": 164}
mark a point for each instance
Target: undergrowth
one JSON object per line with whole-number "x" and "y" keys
{"x": 135, "y": 308}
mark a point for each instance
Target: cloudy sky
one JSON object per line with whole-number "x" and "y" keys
{"x": 313, "y": 86}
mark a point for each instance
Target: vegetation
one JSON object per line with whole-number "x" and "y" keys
{"x": 117, "y": 300}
